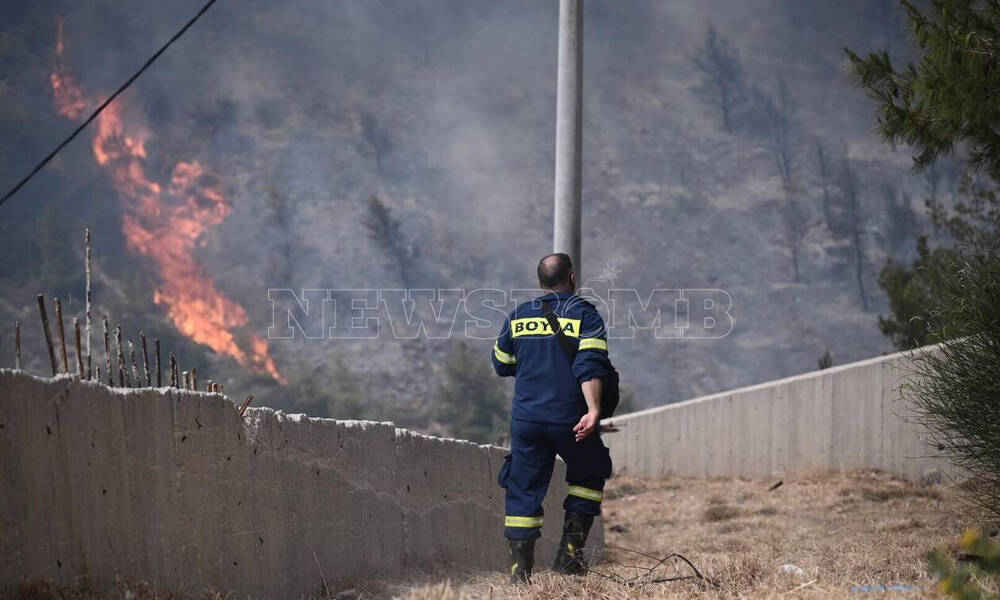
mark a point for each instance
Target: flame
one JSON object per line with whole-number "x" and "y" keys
{"x": 164, "y": 222}
{"x": 68, "y": 94}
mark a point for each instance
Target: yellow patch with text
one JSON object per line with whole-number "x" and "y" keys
{"x": 540, "y": 326}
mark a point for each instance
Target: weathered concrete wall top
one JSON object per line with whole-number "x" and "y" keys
{"x": 175, "y": 487}
{"x": 844, "y": 418}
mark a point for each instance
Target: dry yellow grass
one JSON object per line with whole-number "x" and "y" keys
{"x": 842, "y": 532}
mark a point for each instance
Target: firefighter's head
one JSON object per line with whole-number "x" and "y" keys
{"x": 555, "y": 273}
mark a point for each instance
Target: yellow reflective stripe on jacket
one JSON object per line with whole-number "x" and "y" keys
{"x": 586, "y": 493}
{"x": 510, "y": 521}
{"x": 593, "y": 344}
{"x": 507, "y": 359}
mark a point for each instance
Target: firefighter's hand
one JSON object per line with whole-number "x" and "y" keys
{"x": 588, "y": 423}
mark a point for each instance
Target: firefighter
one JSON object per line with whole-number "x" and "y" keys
{"x": 557, "y": 407}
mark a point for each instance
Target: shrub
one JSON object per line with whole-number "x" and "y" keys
{"x": 955, "y": 387}
{"x": 964, "y": 582}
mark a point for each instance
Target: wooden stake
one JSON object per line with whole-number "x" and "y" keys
{"x": 145, "y": 359}
{"x": 187, "y": 380}
{"x": 62, "y": 335}
{"x": 246, "y": 405}
{"x": 156, "y": 351}
{"x": 194, "y": 379}
{"x": 123, "y": 378}
{"x": 173, "y": 370}
{"x": 208, "y": 386}
{"x": 48, "y": 333}
{"x": 79, "y": 353}
{"x": 17, "y": 345}
{"x": 107, "y": 353}
{"x": 135, "y": 365}
{"x": 86, "y": 242}
{"x": 98, "y": 372}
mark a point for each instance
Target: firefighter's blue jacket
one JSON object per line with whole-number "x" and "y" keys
{"x": 547, "y": 388}
{"x": 548, "y": 402}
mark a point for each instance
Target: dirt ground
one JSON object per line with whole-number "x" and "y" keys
{"x": 858, "y": 536}
{"x": 847, "y": 536}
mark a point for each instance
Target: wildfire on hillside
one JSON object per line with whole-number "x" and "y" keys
{"x": 164, "y": 221}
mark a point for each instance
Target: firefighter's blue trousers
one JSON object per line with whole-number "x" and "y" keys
{"x": 527, "y": 470}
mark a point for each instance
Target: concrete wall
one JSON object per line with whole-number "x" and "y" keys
{"x": 843, "y": 418}
{"x": 175, "y": 488}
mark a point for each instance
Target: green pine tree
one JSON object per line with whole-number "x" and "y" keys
{"x": 948, "y": 98}
{"x": 914, "y": 294}
{"x": 941, "y": 105}
{"x": 947, "y": 103}
{"x": 472, "y": 402}
{"x": 722, "y": 78}
{"x": 825, "y": 361}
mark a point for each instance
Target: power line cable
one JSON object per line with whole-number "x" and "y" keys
{"x": 105, "y": 104}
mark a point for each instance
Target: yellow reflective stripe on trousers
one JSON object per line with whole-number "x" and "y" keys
{"x": 593, "y": 344}
{"x": 510, "y": 521}
{"x": 586, "y": 493}
{"x": 507, "y": 359}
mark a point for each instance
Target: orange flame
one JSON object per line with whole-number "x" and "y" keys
{"x": 69, "y": 98}
{"x": 164, "y": 222}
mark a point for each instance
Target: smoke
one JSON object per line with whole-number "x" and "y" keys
{"x": 303, "y": 109}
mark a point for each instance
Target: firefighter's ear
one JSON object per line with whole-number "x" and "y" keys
{"x": 572, "y": 279}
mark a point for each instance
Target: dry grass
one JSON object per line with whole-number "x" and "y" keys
{"x": 837, "y": 532}
{"x": 813, "y": 537}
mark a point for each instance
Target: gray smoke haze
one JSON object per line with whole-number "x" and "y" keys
{"x": 445, "y": 110}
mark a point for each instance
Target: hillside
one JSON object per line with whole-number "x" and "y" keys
{"x": 299, "y": 112}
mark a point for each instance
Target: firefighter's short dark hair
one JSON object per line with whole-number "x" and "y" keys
{"x": 554, "y": 270}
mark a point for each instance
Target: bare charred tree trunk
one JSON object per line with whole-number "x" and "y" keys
{"x": 48, "y": 333}
{"x": 62, "y": 335}
{"x": 79, "y": 350}
{"x": 145, "y": 359}
{"x": 795, "y": 217}
{"x": 159, "y": 371}
{"x": 17, "y": 345}
{"x": 902, "y": 222}
{"x": 281, "y": 267}
{"x": 123, "y": 377}
{"x": 135, "y": 365}
{"x": 107, "y": 353}
{"x": 859, "y": 263}
{"x": 173, "y": 370}
{"x": 88, "y": 299}
{"x": 377, "y": 138}
{"x": 825, "y": 174}
{"x": 853, "y": 219}
{"x": 778, "y": 126}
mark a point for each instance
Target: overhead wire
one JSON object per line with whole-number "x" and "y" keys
{"x": 107, "y": 102}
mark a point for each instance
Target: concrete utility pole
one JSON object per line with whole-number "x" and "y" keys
{"x": 569, "y": 139}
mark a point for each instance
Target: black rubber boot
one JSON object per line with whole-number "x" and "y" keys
{"x": 522, "y": 559}
{"x": 569, "y": 558}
